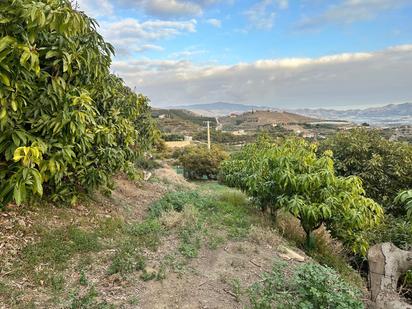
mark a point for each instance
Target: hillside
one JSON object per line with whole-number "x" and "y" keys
{"x": 180, "y": 121}
{"x": 219, "y": 109}
{"x": 159, "y": 244}
{"x": 259, "y": 119}
{"x": 396, "y": 114}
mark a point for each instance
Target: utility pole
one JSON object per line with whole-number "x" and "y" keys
{"x": 208, "y": 135}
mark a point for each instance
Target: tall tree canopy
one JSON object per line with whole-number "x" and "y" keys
{"x": 66, "y": 123}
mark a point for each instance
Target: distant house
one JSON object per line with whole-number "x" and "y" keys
{"x": 163, "y": 116}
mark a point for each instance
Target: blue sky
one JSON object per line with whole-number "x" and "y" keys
{"x": 286, "y": 54}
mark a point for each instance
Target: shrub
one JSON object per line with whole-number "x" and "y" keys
{"x": 385, "y": 167}
{"x": 66, "y": 123}
{"x": 310, "y": 286}
{"x": 397, "y": 230}
{"x": 127, "y": 259}
{"x": 321, "y": 287}
{"x": 404, "y": 199}
{"x": 198, "y": 161}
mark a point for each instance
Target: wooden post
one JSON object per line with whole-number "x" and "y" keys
{"x": 208, "y": 135}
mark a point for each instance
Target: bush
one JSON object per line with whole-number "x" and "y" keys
{"x": 198, "y": 161}
{"x": 310, "y": 286}
{"x": 393, "y": 229}
{"x": 176, "y": 201}
{"x": 385, "y": 167}
{"x": 66, "y": 123}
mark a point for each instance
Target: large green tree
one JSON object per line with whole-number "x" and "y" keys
{"x": 66, "y": 123}
{"x": 385, "y": 167}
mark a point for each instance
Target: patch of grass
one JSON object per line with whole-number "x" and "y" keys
{"x": 147, "y": 233}
{"x": 9, "y": 294}
{"x": 110, "y": 226}
{"x": 231, "y": 213}
{"x": 127, "y": 259}
{"x": 175, "y": 262}
{"x": 83, "y": 279}
{"x": 191, "y": 243}
{"x": 57, "y": 283}
{"x": 56, "y": 247}
{"x": 236, "y": 288}
{"x": 177, "y": 200}
{"x": 88, "y": 300}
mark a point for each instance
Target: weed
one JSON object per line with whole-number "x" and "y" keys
{"x": 177, "y": 201}
{"x": 148, "y": 233}
{"x": 88, "y": 300}
{"x": 56, "y": 247}
{"x": 110, "y": 226}
{"x": 236, "y": 288}
{"x": 263, "y": 236}
{"x": 57, "y": 283}
{"x": 133, "y": 301}
{"x": 148, "y": 274}
{"x": 127, "y": 259}
{"x": 83, "y": 279}
{"x": 191, "y": 243}
{"x": 175, "y": 262}
{"x": 310, "y": 286}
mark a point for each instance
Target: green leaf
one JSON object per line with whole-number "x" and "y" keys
{"x": 5, "y": 79}
{"x": 37, "y": 182}
{"x": 17, "y": 193}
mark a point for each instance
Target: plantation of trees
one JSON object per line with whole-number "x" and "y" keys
{"x": 67, "y": 124}
{"x": 290, "y": 175}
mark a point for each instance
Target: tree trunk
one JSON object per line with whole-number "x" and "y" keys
{"x": 273, "y": 214}
{"x": 386, "y": 264}
{"x": 310, "y": 240}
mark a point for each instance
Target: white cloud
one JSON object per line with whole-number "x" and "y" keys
{"x": 262, "y": 14}
{"x": 343, "y": 79}
{"x": 169, "y": 8}
{"x": 214, "y": 22}
{"x": 95, "y": 8}
{"x": 130, "y": 35}
{"x": 349, "y": 11}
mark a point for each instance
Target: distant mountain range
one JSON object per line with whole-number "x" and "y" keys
{"x": 219, "y": 109}
{"x": 392, "y": 114}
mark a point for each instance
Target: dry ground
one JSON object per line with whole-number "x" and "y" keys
{"x": 89, "y": 256}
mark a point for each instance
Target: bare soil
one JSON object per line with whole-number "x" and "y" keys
{"x": 216, "y": 278}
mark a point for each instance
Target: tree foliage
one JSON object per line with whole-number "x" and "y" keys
{"x": 199, "y": 161}
{"x": 385, "y": 167}
{"x": 290, "y": 175}
{"x": 405, "y": 200}
{"x": 66, "y": 123}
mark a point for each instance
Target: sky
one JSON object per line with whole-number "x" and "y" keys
{"x": 279, "y": 53}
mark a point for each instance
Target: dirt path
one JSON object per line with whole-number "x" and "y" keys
{"x": 214, "y": 278}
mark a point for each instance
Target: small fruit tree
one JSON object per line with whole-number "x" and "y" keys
{"x": 66, "y": 123}
{"x": 199, "y": 161}
{"x": 290, "y": 175}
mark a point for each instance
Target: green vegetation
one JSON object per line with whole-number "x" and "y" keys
{"x": 310, "y": 286}
{"x": 385, "y": 167}
{"x": 404, "y": 199}
{"x": 67, "y": 124}
{"x": 199, "y": 161}
{"x": 289, "y": 175}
